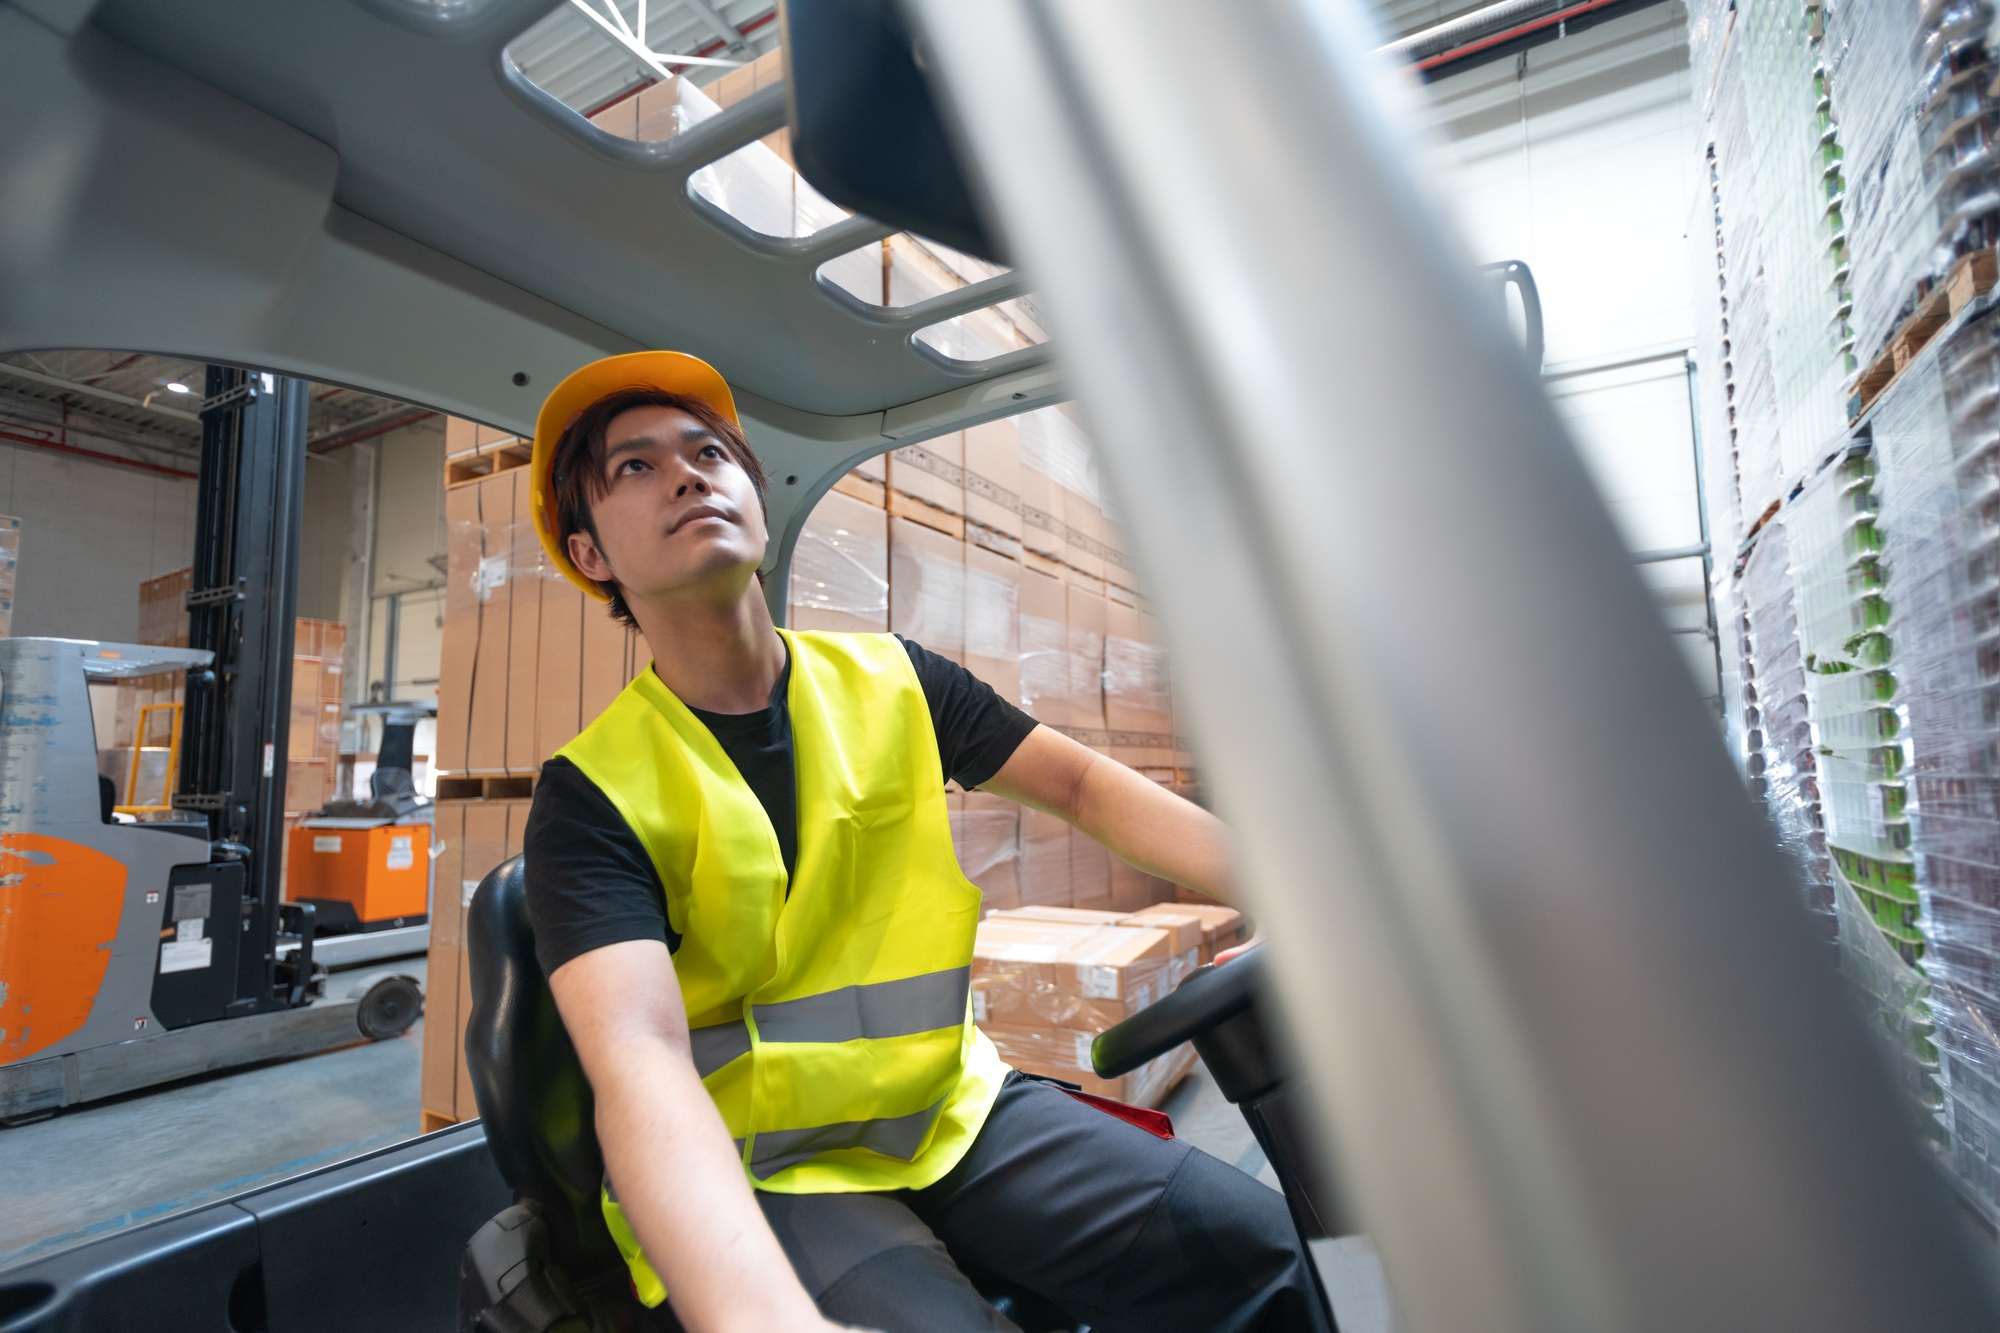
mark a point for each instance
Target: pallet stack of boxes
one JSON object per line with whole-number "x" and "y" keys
{"x": 526, "y": 660}
{"x": 981, "y": 545}
{"x": 319, "y": 667}
{"x": 318, "y": 678}
{"x": 1850, "y": 328}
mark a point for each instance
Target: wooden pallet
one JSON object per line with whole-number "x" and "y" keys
{"x": 485, "y": 787}
{"x": 486, "y": 460}
{"x": 1971, "y": 277}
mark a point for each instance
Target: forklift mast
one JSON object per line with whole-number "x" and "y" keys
{"x": 241, "y": 606}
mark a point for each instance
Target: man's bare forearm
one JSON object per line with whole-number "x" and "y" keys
{"x": 1151, "y": 829}
{"x": 1144, "y": 824}
{"x": 679, "y": 1180}
{"x": 677, "y": 1174}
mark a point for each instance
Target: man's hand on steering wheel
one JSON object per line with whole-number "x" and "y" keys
{"x": 1231, "y": 954}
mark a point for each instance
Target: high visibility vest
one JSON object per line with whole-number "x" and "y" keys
{"x": 832, "y": 1024}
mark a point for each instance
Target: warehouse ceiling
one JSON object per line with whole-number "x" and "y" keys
{"x": 573, "y": 51}
{"x": 144, "y": 410}
{"x": 574, "y": 59}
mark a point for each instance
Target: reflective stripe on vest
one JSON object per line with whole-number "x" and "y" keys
{"x": 830, "y": 1023}
{"x": 898, "y": 1008}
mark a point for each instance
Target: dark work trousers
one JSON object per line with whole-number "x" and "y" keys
{"x": 1123, "y": 1231}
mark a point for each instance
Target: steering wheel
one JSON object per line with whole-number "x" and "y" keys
{"x": 1216, "y": 1009}
{"x": 1209, "y": 998}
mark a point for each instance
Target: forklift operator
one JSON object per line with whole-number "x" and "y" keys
{"x": 745, "y": 897}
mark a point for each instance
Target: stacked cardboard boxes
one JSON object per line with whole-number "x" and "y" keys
{"x": 163, "y": 621}
{"x": 319, "y": 650}
{"x": 473, "y": 836}
{"x": 1047, "y": 981}
{"x": 526, "y": 661}
{"x": 319, "y": 666}
{"x": 526, "y": 658}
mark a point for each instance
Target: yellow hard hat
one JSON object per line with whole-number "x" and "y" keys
{"x": 668, "y": 372}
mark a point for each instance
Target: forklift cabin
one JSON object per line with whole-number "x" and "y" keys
{"x": 1556, "y": 1096}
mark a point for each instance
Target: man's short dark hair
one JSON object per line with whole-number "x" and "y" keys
{"x": 576, "y": 472}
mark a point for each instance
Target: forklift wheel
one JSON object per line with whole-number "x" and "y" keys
{"x": 388, "y": 1007}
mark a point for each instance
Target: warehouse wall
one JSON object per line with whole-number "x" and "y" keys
{"x": 1580, "y": 157}
{"x": 409, "y": 557}
{"x": 90, "y": 534}
{"x": 326, "y": 525}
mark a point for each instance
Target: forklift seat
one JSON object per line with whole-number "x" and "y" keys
{"x": 538, "y": 1112}
{"x": 540, "y": 1125}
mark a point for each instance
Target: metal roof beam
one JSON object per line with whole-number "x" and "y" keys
{"x": 721, "y": 26}
{"x": 91, "y": 390}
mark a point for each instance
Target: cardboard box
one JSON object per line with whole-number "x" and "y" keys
{"x": 486, "y": 734}
{"x": 875, "y": 469}
{"x": 447, "y": 898}
{"x": 1085, "y": 640}
{"x": 868, "y": 490}
{"x": 604, "y": 669}
{"x": 993, "y": 477}
{"x": 1029, "y": 972}
{"x": 438, "y": 1068}
{"x": 927, "y": 588}
{"x": 1090, "y": 872}
{"x": 986, "y": 834}
{"x": 459, "y": 436}
{"x": 840, "y": 568}
{"x": 443, "y": 1026}
{"x": 302, "y": 731}
{"x": 1041, "y": 515}
{"x": 1082, "y": 521}
{"x": 528, "y": 574}
{"x": 1044, "y": 636}
{"x": 1186, "y": 929}
{"x": 1045, "y": 986}
{"x": 327, "y": 744}
{"x": 928, "y": 515}
{"x": 1045, "y": 874}
{"x": 305, "y": 680}
{"x": 1065, "y": 1054}
{"x": 559, "y": 667}
{"x": 459, "y": 642}
{"x": 1222, "y": 927}
{"x": 1187, "y": 933}
{"x": 1071, "y": 916}
{"x": 484, "y": 844}
{"x": 489, "y": 831}
{"x": 1119, "y": 570}
{"x": 657, "y": 111}
{"x": 465, "y": 1106}
{"x": 1138, "y": 708}
{"x": 306, "y": 784}
{"x": 932, "y": 472}
{"x": 993, "y": 621}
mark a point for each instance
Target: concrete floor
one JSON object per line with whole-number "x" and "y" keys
{"x": 111, "y": 1164}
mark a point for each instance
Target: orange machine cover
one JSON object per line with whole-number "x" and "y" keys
{"x": 59, "y": 907}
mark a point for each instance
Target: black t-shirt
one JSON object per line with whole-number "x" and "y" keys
{"x": 589, "y": 880}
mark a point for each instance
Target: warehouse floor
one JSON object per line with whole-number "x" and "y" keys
{"x": 92, "y": 1170}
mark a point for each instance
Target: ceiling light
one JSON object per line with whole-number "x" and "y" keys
{"x": 178, "y": 387}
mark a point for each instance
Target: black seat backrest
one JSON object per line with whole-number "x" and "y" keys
{"x": 531, "y": 1090}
